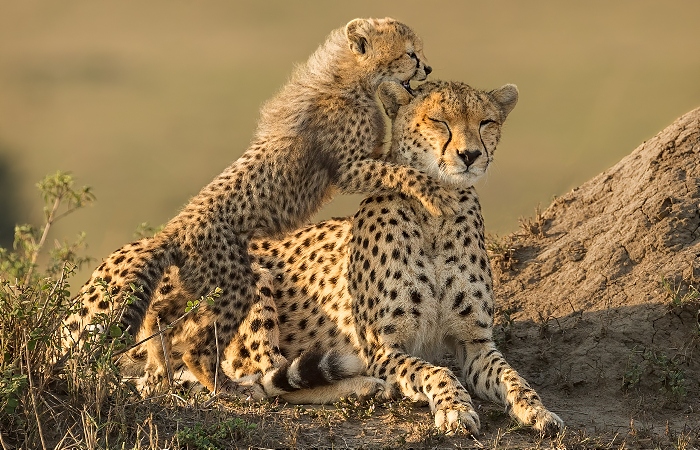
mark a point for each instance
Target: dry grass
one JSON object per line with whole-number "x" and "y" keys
{"x": 534, "y": 226}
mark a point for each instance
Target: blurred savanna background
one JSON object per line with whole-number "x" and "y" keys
{"x": 147, "y": 101}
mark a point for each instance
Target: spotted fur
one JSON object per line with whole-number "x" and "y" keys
{"x": 318, "y": 136}
{"x": 400, "y": 287}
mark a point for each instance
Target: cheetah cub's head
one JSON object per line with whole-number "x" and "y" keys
{"x": 447, "y": 129}
{"x": 387, "y": 50}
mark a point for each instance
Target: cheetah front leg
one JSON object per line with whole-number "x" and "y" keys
{"x": 369, "y": 176}
{"x": 387, "y": 358}
{"x": 421, "y": 381}
{"x": 488, "y": 375}
{"x": 485, "y": 371}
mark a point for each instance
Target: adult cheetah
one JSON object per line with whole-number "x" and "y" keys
{"x": 400, "y": 286}
{"x": 316, "y": 137}
{"x": 397, "y": 286}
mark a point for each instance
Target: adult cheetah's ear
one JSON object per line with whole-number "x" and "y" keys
{"x": 507, "y": 97}
{"x": 357, "y": 31}
{"x": 393, "y": 96}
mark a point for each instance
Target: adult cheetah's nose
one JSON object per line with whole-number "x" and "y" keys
{"x": 469, "y": 156}
{"x": 428, "y": 69}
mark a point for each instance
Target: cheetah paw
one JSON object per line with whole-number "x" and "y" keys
{"x": 248, "y": 388}
{"x": 151, "y": 384}
{"x": 547, "y": 423}
{"x": 456, "y": 418}
{"x": 368, "y": 387}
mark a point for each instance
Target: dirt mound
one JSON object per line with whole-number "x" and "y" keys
{"x": 598, "y": 293}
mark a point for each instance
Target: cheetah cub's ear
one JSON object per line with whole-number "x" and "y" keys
{"x": 358, "y": 32}
{"x": 507, "y": 97}
{"x": 393, "y": 96}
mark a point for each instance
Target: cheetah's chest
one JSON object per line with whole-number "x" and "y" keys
{"x": 451, "y": 267}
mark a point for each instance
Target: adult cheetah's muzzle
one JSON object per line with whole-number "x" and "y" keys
{"x": 469, "y": 156}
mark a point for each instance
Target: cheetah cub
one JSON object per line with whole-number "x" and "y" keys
{"x": 401, "y": 287}
{"x": 318, "y": 136}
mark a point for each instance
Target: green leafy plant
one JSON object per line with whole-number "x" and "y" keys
{"x": 53, "y": 389}
{"x": 632, "y": 375}
{"x": 209, "y": 299}
{"x": 39, "y": 370}
{"x": 506, "y": 322}
{"x": 667, "y": 372}
{"x": 214, "y": 436}
{"x": 353, "y": 407}
{"x": 145, "y": 230}
{"x": 502, "y": 252}
{"x": 32, "y": 305}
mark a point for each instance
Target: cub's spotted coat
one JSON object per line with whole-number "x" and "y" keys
{"x": 319, "y": 135}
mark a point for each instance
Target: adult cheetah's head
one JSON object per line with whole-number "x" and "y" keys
{"x": 387, "y": 50}
{"x": 447, "y": 129}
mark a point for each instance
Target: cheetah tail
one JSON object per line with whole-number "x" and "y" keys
{"x": 310, "y": 370}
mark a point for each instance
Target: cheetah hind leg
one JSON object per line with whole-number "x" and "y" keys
{"x": 254, "y": 350}
{"x": 147, "y": 382}
{"x": 258, "y": 370}
{"x": 157, "y": 373}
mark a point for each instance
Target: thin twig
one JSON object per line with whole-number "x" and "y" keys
{"x": 216, "y": 368}
{"x": 44, "y": 234}
{"x": 155, "y": 397}
{"x": 2, "y": 442}
{"x": 215, "y": 394}
{"x": 168, "y": 327}
{"x": 53, "y": 291}
{"x": 66, "y": 212}
{"x": 211, "y": 401}
{"x": 166, "y": 355}
{"x": 31, "y": 394}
